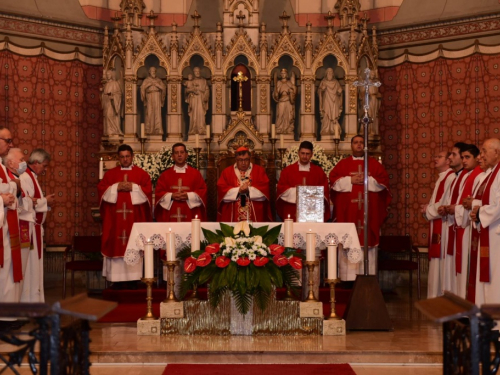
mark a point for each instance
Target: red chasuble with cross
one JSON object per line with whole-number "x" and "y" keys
{"x": 118, "y": 218}
{"x": 349, "y": 206}
{"x": 172, "y": 182}
{"x": 290, "y": 178}
{"x": 258, "y": 211}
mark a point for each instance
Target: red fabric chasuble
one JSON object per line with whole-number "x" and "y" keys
{"x": 172, "y": 182}
{"x": 258, "y": 211}
{"x": 15, "y": 240}
{"x": 118, "y": 218}
{"x": 290, "y": 178}
{"x": 349, "y": 206}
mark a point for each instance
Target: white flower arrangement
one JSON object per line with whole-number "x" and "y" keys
{"x": 326, "y": 162}
{"x": 155, "y": 163}
{"x": 241, "y": 247}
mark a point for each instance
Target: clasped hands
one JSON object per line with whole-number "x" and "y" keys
{"x": 473, "y": 214}
{"x": 357, "y": 179}
{"x": 180, "y": 196}
{"x": 125, "y": 186}
{"x": 244, "y": 187}
{"x": 8, "y": 199}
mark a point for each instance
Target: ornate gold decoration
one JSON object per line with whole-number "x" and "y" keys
{"x": 240, "y": 119}
{"x": 286, "y": 45}
{"x": 173, "y": 95}
{"x": 348, "y": 11}
{"x": 353, "y": 94}
{"x": 152, "y": 45}
{"x": 330, "y": 45}
{"x": 241, "y": 44}
{"x": 197, "y": 44}
{"x": 240, "y": 140}
{"x": 263, "y": 99}
{"x": 308, "y": 96}
{"x": 218, "y": 98}
{"x": 129, "y": 105}
{"x": 240, "y": 78}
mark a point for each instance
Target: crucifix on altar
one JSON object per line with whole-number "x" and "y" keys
{"x": 240, "y": 78}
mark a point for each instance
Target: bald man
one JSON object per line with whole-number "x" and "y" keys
{"x": 485, "y": 216}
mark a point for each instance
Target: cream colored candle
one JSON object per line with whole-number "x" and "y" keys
{"x": 282, "y": 141}
{"x": 197, "y": 140}
{"x": 208, "y": 132}
{"x": 171, "y": 253}
{"x": 273, "y": 131}
{"x": 310, "y": 246}
{"x": 332, "y": 261}
{"x": 195, "y": 234}
{"x": 101, "y": 169}
{"x": 143, "y": 133}
{"x": 288, "y": 232}
{"x": 148, "y": 260}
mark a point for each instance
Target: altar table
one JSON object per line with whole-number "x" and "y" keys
{"x": 350, "y": 258}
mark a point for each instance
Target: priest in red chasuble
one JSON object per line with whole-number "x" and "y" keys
{"x": 181, "y": 191}
{"x": 347, "y": 192}
{"x": 243, "y": 191}
{"x": 302, "y": 172}
{"x": 125, "y": 198}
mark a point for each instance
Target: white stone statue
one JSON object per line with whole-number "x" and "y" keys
{"x": 196, "y": 95}
{"x": 330, "y": 104}
{"x": 153, "y": 92}
{"x": 284, "y": 94}
{"x": 112, "y": 97}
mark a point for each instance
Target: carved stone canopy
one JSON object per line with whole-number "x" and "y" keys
{"x": 241, "y": 132}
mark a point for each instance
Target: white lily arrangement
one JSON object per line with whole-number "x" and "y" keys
{"x": 326, "y": 162}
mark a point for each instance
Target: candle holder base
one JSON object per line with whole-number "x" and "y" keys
{"x": 194, "y": 295}
{"x": 149, "y": 290}
{"x": 333, "y": 314}
{"x": 310, "y": 270}
{"x": 289, "y": 296}
{"x": 143, "y": 141}
{"x": 171, "y": 282}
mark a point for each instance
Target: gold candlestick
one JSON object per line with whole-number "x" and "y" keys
{"x": 282, "y": 154}
{"x": 332, "y": 283}
{"x": 171, "y": 282}
{"x": 273, "y": 144}
{"x": 197, "y": 150}
{"x": 194, "y": 295}
{"x": 208, "y": 140}
{"x": 142, "y": 140}
{"x": 289, "y": 295}
{"x": 337, "y": 141}
{"x": 310, "y": 269}
{"x": 149, "y": 298}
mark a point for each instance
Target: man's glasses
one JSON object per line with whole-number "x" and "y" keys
{"x": 7, "y": 140}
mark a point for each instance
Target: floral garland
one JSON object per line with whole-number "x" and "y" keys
{"x": 156, "y": 163}
{"x": 244, "y": 261}
{"x": 326, "y": 162}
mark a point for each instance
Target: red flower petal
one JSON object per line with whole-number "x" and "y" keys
{"x": 260, "y": 261}
{"x": 212, "y": 248}
{"x": 280, "y": 260}
{"x": 243, "y": 261}
{"x": 295, "y": 262}
{"x": 204, "y": 259}
{"x": 189, "y": 265}
{"x": 276, "y": 249}
{"x": 222, "y": 261}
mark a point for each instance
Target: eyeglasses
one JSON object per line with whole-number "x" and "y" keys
{"x": 243, "y": 160}
{"x": 7, "y": 140}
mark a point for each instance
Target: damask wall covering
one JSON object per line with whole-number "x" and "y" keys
{"x": 426, "y": 108}
{"x": 55, "y": 105}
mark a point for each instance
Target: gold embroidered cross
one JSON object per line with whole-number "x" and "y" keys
{"x": 179, "y": 186}
{"x": 359, "y": 201}
{"x": 359, "y": 227}
{"x": 124, "y": 211}
{"x": 179, "y": 215}
{"x": 359, "y": 172}
{"x": 123, "y": 237}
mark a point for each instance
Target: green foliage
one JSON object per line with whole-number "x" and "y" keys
{"x": 271, "y": 236}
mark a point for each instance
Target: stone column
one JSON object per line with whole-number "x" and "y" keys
{"x": 219, "y": 94}
{"x": 308, "y": 128}
{"x": 351, "y": 96}
{"x": 263, "y": 105}
{"x": 174, "y": 108}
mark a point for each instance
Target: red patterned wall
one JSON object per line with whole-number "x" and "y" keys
{"x": 426, "y": 108}
{"x": 55, "y": 105}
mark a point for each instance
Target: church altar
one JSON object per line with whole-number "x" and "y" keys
{"x": 326, "y": 233}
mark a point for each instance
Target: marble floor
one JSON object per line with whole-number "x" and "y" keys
{"x": 414, "y": 347}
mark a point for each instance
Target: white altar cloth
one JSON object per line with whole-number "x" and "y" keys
{"x": 336, "y": 233}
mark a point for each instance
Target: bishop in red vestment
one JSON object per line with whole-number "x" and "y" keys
{"x": 243, "y": 191}
{"x": 181, "y": 191}
{"x": 125, "y": 195}
{"x": 347, "y": 192}
{"x": 302, "y": 172}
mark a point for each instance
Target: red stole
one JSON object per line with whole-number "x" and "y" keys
{"x": 454, "y": 196}
{"x": 467, "y": 191}
{"x": 291, "y": 177}
{"x": 191, "y": 181}
{"x": 15, "y": 241}
{"x": 39, "y": 215}
{"x": 437, "y": 224}
{"x": 118, "y": 218}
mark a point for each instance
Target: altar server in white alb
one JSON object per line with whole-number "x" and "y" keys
{"x": 430, "y": 212}
{"x": 39, "y": 206}
{"x": 486, "y": 218}
{"x": 10, "y": 248}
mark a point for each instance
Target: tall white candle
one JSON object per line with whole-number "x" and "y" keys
{"x": 282, "y": 141}
{"x": 197, "y": 140}
{"x": 332, "y": 261}
{"x": 273, "y": 131}
{"x": 148, "y": 260}
{"x": 171, "y": 253}
{"x": 195, "y": 234}
{"x": 208, "y": 131}
{"x": 310, "y": 246}
{"x": 101, "y": 169}
{"x": 143, "y": 132}
{"x": 288, "y": 232}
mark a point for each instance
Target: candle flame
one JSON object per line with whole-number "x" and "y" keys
{"x": 196, "y": 217}
{"x": 289, "y": 216}
{"x": 101, "y": 160}
{"x": 310, "y": 230}
{"x": 170, "y": 229}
